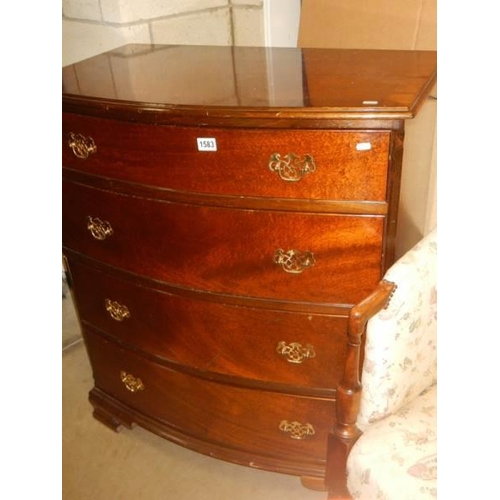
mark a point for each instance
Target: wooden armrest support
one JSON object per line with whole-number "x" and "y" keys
{"x": 345, "y": 433}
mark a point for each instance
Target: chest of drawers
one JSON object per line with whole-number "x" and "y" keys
{"x": 223, "y": 210}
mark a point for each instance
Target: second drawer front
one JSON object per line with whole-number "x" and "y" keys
{"x": 302, "y": 257}
{"x": 255, "y": 421}
{"x": 305, "y": 164}
{"x": 306, "y": 350}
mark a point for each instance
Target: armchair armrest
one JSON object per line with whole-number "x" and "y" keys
{"x": 345, "y": 432}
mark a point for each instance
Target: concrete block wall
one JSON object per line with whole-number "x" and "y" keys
{"x": 90, "y": 27}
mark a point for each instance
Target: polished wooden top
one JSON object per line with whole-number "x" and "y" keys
{"x": 157, "y": 83}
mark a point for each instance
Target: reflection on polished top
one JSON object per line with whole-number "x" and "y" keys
{"x": 343, "y": 83}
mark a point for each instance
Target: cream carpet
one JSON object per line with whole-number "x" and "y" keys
{"x": 99, "y": 464}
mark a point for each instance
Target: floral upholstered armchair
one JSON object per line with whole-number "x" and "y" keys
{"x": 386, "y": 429}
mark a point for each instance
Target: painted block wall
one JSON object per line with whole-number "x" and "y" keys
{"x": 90, "y": 27}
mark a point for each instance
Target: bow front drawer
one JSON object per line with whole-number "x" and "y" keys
{"x": 293, "y": 164}
{"x": 298, "y": 349}
{"x": 293, "y": 256}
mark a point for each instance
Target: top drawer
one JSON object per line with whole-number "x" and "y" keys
{"x": 296, "y": 164}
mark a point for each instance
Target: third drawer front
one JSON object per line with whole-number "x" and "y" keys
{"x": 263, "y": 345}
{"x": 289, "y": 256}
{"x": 259, "y": 422}
{"x": 310, "y": 164}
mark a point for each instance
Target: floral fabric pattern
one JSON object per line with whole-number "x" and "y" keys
{"x": 396, "y": 458}
{"x": 425, "y": 468}
{"x": 400, "y": 352}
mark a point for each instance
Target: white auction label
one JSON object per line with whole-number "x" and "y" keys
{"x": 363, "y": 146}
{"x": 207, "y": 144}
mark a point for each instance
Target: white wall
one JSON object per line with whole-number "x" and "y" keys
{"x": 281, "y": 22}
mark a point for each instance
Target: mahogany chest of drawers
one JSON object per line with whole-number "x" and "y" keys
{"x": 223, "y": 210}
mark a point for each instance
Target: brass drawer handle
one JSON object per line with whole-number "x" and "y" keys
{"x": 99, "y": 229}
{"x": 132, "y": 383}
{"x": 117, "y": 311}
{"x": 294, "y": 261}
{"x": 296, "y": 429}
{"x": 82, "y": 146}
{"x": 295, "y": 352}
{"x": 291, "y": 168}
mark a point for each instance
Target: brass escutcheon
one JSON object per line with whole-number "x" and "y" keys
{"x": 295, "y": 352}
{"x": 132, "y": 383}
{"x": 294, "y": 261}
{"x": 296, "y": 429}
{"x": 81, "y": 146}
{"x": 99, "y": 229}
{"x": 291, "y": 168}
{"x": 117, "y": 311}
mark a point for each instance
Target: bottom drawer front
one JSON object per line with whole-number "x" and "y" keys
{"x": 258, "y": 422}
